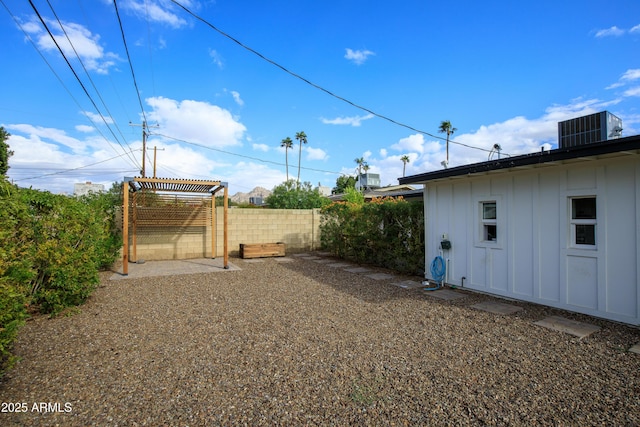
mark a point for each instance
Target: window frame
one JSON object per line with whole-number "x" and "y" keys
{"x": 575, "y": 222}
{"x": 486, "y": 223}
{"x": 499, "y": 222}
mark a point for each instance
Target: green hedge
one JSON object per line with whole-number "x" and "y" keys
{"x": 53, "y": 247}
{"x": 386, "y": 232}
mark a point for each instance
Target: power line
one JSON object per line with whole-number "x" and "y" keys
{"x": 28, "y": 37}
{"x": 70, "y": 169}
{"x": 86, "y": 71}
{"x": 243, "y": 155}
{"x": 46, "y": 27}
{"x": 328, "y": 92}
{"x": 126, "y": 48}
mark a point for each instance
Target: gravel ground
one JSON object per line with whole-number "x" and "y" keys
{"x": 301, "y": 343}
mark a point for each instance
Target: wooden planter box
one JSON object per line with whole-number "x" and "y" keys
{"x": 261, "y": 250}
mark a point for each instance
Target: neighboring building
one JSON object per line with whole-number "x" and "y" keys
{"x": 559, "y": 228}
{"x": 368, "y": 181}
{"x": 84, "y": 188}
{"x": 407, "y": 192}
{"x": 325, "y": 191}
{"x": 256, "y": 201}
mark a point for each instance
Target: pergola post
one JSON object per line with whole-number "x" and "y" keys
{"x": 214, "y": 249}
{"x": 226, "y": 217}
{"x": 125, "y": 228}
{"x": 135, "y": 227}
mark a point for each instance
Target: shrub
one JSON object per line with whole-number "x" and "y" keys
{"x": 288, "y": 195}
{"x": 15, "y": 270}
{"x": 53, "y": 247}
{"x": 387, "y": 232}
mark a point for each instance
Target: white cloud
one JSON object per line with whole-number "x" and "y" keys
{"x": 358, "y": 56}
{"x": 236, "y": 97}
{"x": 185, "y": 162}
{"x": 354, "y": 121}
{"x": 316, "y": 153}
{"x": 411, "y": 143}
{"x": 635, "y": 29}
{"x": 43, "y": 159}
{"x": 242, "y": 176}
{"x": 55, "y": 136}
{"x": 195, "y": 121}
{"x": 610, "y": 32}
{"x": 631, "y": 75}
{"x": 75, "y": 39}
{"x": 156, "y": 11}
{"x": 517, "y": 135}
{"x": 85, "y": 128}
{"x": 97, "y": 118}
{"x": 261, "y": 147}
{"x": 216, "y": 58}
{"x": 635, "y": 91}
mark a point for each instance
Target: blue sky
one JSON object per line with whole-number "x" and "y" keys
{"x": 501, "y": 71}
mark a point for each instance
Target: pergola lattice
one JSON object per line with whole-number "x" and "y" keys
{"x": 170, "y": 202}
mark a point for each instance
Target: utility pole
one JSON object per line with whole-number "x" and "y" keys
{"x": 155, "y": 151}
{"x": 144, "y": 146}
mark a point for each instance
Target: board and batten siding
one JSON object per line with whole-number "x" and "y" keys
{"x": 532, "y": 258}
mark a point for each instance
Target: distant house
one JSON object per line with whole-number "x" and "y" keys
{"x": 324, "y": 190}
{"x": 559, "y": 227}
{"x": 84, "y": 188}
{"x": 407, "y": 192}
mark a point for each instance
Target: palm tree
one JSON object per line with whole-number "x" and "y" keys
{"x": 405, "y": 159}
{"x": 446, "y": 127}
{"x": 302, "y": 137}
{"x": 360, "y": 162}
{"x": 287, "y": 144}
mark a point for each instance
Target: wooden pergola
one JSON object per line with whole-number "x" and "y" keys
{"x": 166, "y": 187}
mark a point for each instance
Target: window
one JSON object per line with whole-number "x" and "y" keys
{"x": 583, "y": 221}
{"x": 489, "y": 221}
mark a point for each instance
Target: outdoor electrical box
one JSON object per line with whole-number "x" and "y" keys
{"x": 445, "y": 244}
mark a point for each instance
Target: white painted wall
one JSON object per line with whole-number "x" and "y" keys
{"x": 533, "y": 259}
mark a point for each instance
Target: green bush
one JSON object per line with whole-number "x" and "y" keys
{"x": 289, "y": 195}
{"x": 386, "y": 232}
{"x": 53, "y": 248}
{"x": 73, "y": 239}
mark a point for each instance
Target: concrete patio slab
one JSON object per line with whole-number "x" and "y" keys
{"x": 302, "y": 254}
{"x": 357, "y": 270}
{"x": 408, "y": 284}
{"x": 175, "y": 266}
{"x": 323, "y": 253}
{"x": 497, "y": 307}
{"x": 310, "y": 257}
{"x": 322, "y": 261}
{"x": 572, "y": 327}
{"x": 635, "y": 349}
{"x": 283, "y": 259}
{"x": 380, "y": 276}
{"x": 445, "y": 294}
{"x": 253, "y": 260}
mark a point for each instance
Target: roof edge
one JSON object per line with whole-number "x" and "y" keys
{"x": 558, "y": 154}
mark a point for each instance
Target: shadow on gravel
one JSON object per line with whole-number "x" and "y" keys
{"x": 359, "y": 286}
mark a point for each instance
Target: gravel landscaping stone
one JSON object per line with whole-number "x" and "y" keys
{"x": 299, "y": 343}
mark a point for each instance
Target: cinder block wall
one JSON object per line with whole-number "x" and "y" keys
{"x": 297, "y": 228}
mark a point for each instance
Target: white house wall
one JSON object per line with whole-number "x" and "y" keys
{"x": 532, "y": 258}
